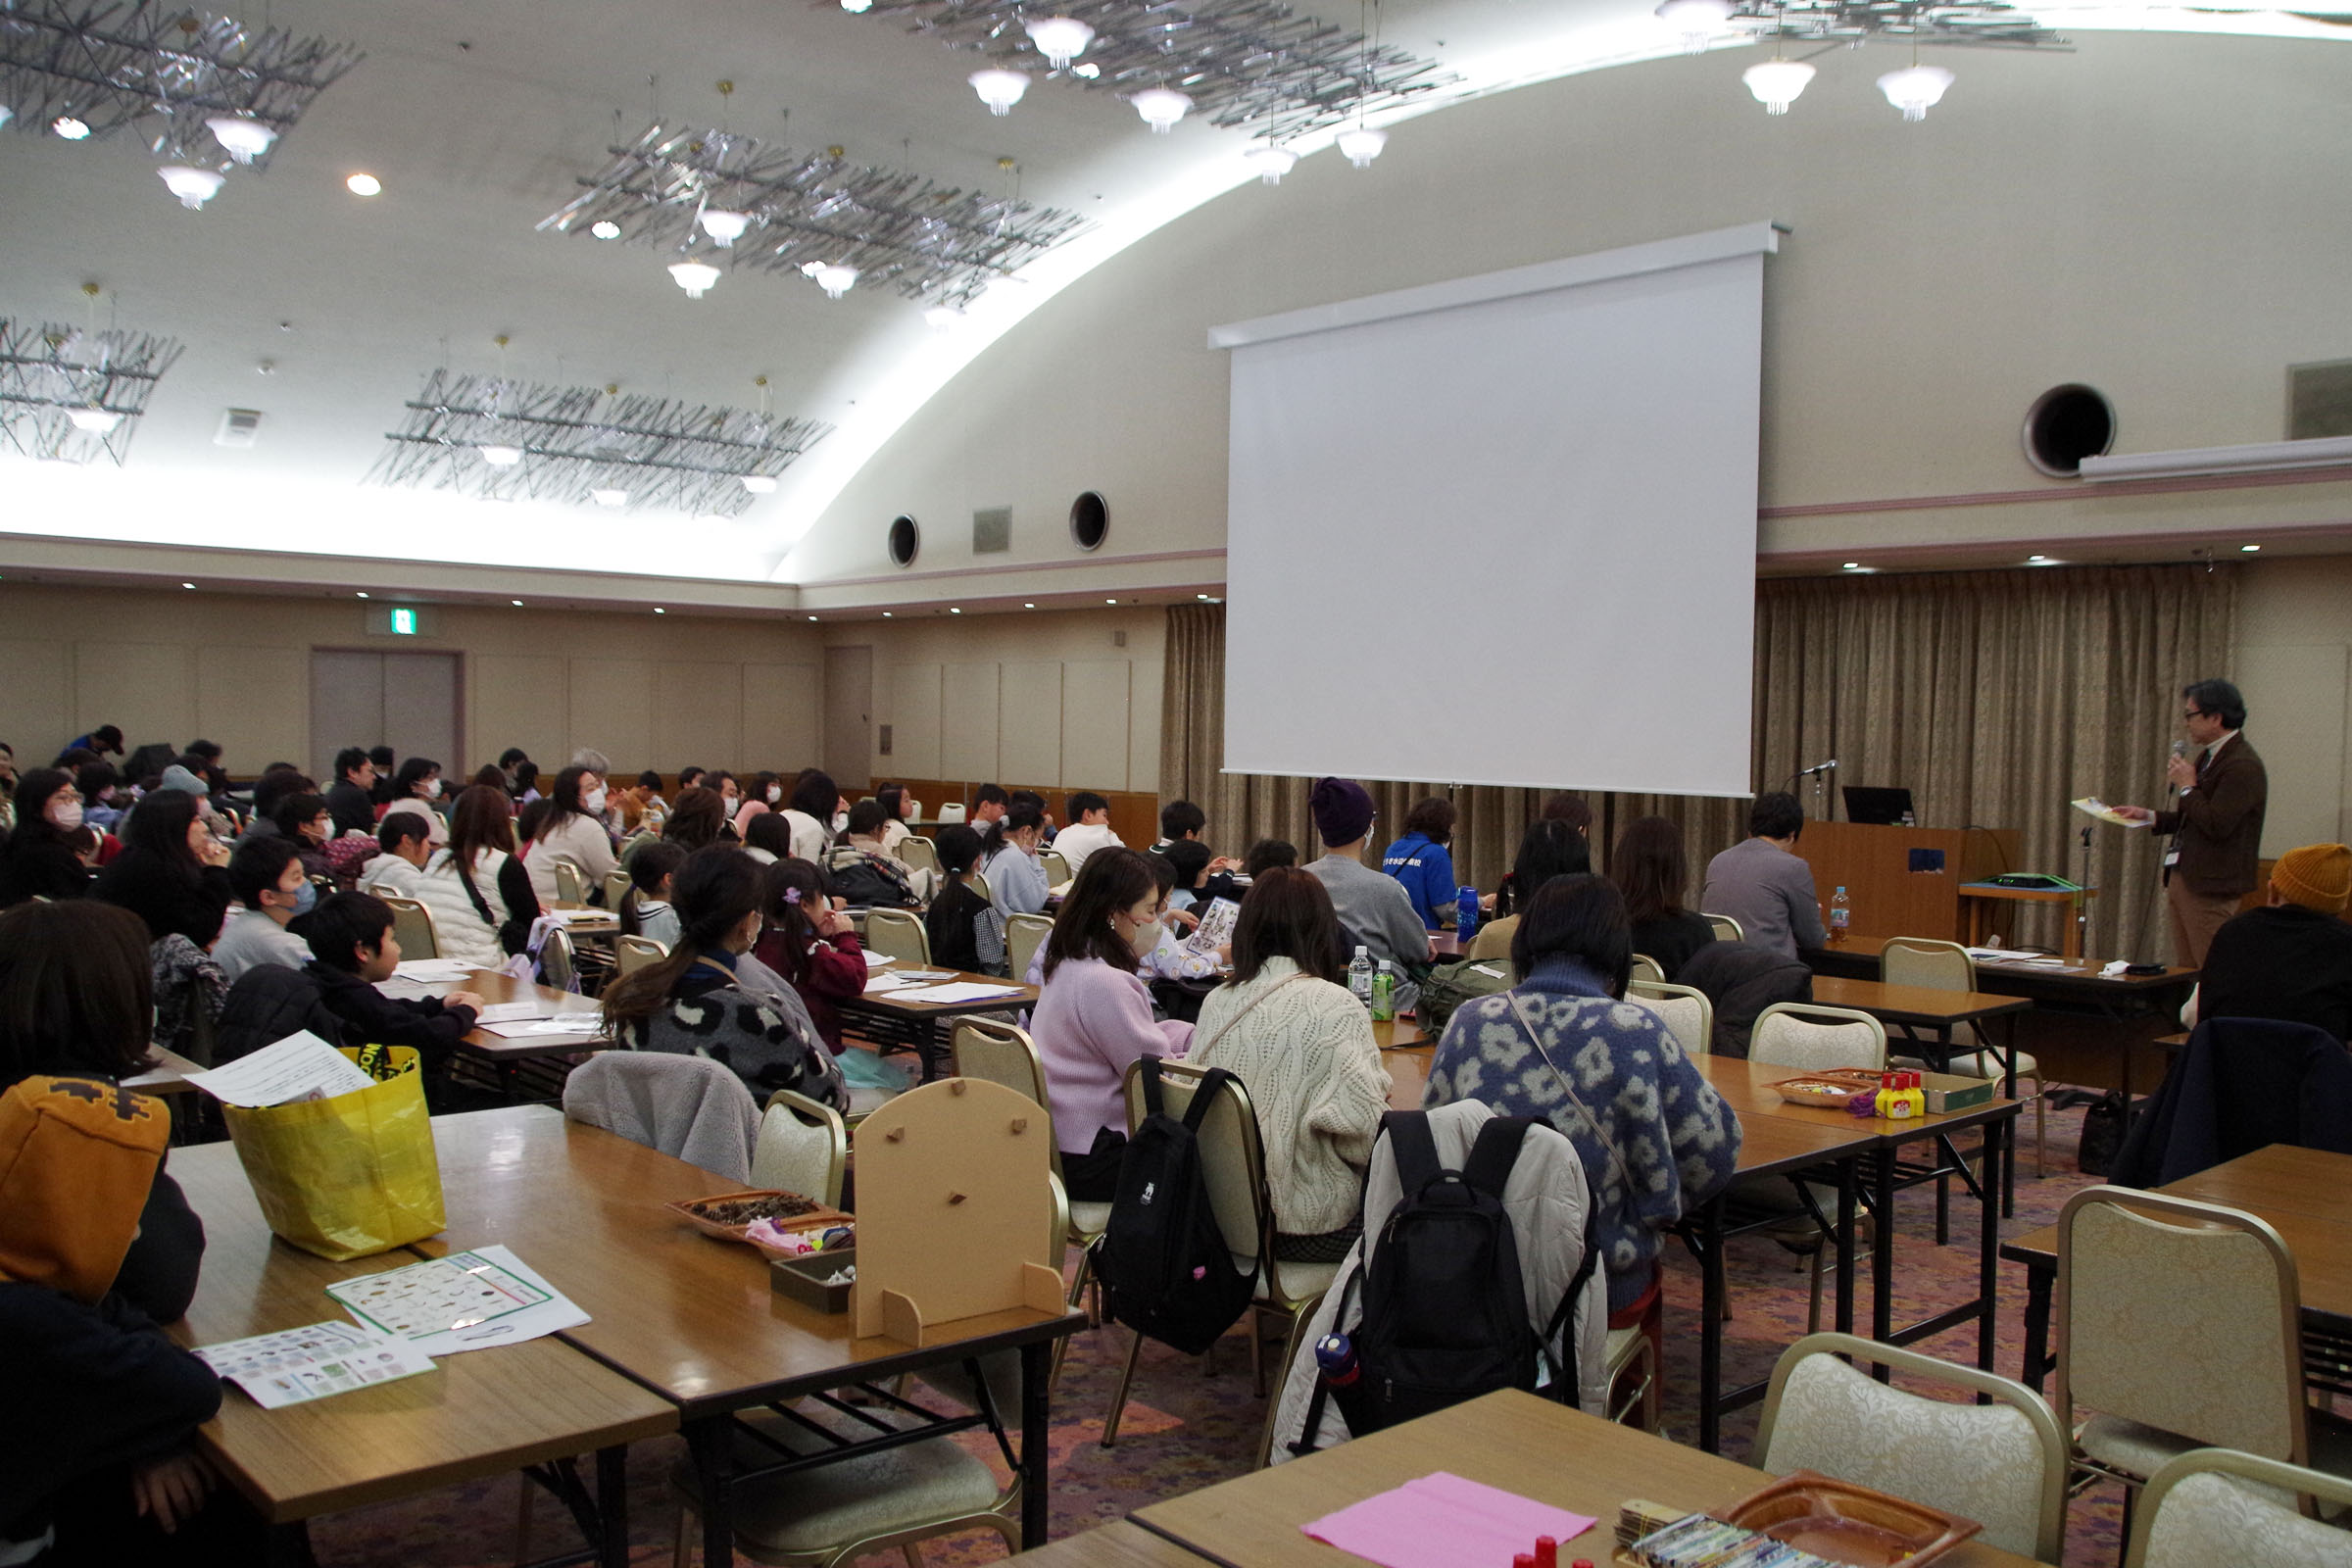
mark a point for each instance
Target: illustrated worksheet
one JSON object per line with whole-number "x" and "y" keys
{"x": 1218, "y": 919}
{"x": 466, "y": 1302}
{"x": 295, "y": 1365}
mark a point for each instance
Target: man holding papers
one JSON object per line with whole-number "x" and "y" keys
{"x": 2215, "y": 823}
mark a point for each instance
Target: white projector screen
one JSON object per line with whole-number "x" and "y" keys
{"x": 1503, "y": 530}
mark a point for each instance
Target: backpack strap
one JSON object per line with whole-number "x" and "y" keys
{"x": 1413, "y": 1148}
{"x": 1308, "y": 1439}
{"x": 1565, "y": 1378}
{"x": 1489, "y": 1167}
{"x": 1154, "y": 1103}
{"x": 1204, "y": 1094}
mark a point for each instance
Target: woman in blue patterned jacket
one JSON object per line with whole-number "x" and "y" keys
{"x": 1566, "y": 1047}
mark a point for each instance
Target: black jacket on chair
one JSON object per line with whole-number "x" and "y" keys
{"x": 1742, "y": 979}
{"x": 2240, "y": 1084}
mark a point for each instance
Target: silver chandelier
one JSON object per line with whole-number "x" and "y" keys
{"x": 70, "y": 395}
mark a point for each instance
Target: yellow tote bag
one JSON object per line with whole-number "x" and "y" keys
{"x": 350, "y": 1176}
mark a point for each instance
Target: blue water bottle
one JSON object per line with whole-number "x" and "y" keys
{"x": 1465, "y": 917}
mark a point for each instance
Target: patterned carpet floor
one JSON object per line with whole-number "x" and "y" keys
{"x": 1191, "y": 1425}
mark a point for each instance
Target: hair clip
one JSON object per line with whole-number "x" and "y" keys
{"x": 792, "y": 896}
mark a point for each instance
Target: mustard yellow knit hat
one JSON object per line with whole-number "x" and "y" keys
{"x": 2317, "y": 876}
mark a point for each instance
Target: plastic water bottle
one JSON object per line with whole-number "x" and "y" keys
{"x": 1465, "y": 917}
{"x": 1841, "y": 916}
{"x": 1359, "y": 976}
{"x": 1384, "y": 993}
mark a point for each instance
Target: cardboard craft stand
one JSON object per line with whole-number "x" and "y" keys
{"x": 954, "y": 1210}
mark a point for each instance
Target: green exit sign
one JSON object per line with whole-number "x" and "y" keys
{"x": 404, "y": 623}
{"x": 399, "y": 620}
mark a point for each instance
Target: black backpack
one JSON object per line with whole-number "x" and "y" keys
{"x": 1445, "y": 1307}
{"x": 1165, "y": 1269}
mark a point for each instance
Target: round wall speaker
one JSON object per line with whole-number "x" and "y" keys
{"x": 905, "y": 539}
{"x": 1090, "y": 520}
{"x": 2065, "y": 424}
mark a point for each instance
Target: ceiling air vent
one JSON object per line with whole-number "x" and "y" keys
{"x": 2319, "y": 400}
{"x": 239, "y": 427}
{"x": 991, "y": 531}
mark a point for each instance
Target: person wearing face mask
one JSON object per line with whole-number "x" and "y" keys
{"x": 1093, "y": 1019}
{"x": 481, "y": 897}
{"x": 1016, "y": 877}
{"x": 266, "y": 875}
{"x": 813, "y": 797}
{"x": 417, "y": 792}
{"x": 897, "y": 806}
{"x": 403, "y": 838}
{"x": 171, "y": 873}
{"x": 99, "y": 785}
{"x": 767, "y": 789}
{"x": 572, "y": 830}
{"x": 730, "y": 791}
{"x": 39, "y": 861}
{"x": 701, "y": 999}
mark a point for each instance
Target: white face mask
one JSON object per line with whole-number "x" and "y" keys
{"x": 65, "y": 811}
{"x": 1146, "y": 938}
{"x": 432, "y": 788}
{"x": 775, "y": 793}
{"x": 593, "y": 800}
{"x": 732, "y": 804}
{"x": 841, "y": 820}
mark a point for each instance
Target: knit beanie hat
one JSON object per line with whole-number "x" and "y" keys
{"x": 2317, "y": 876}
{"x": 1343, "y": 811}
{"x": 77, "y": 1157}
{"x": 176, "y": 777}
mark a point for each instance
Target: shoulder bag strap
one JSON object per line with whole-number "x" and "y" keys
{"x": 1227, "y": 1025}
{"x": 1599, "y": 1128}
{"x": 481, "y": 906}
{"x": 1204, "y": 1094}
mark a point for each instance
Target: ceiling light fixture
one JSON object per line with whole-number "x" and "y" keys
{"x": 941, "y": 316}
{"x": 1087, "y": 69}
{"x": 760, "y": 484}
{"x": 1915, "y": 89}
{"x": 1270, "y": 162}
{"x": 812, "y": 617}
{"x": 1000, "y": 88}
{"x": 59, "y": 386}
{"x": 1852, "y": 566}
{"x": 188, "y": 585}
{"x": 724, "y": 227}
{"x": 2035, "y": 560}
{"x": 857, "y": 7}
{"x": 363, "y": 592}
{"x": 1111, "y": 600}
{"x": 606, "y": 495}
{"x": 193, "y": 186}
{"x": 695, "y": 277}
{"x": 93, "y": 418}
{"x": 2249, "y": 548}
{"x": 244, "y": 138}
{"x": 605, "y": 228}
{"x": 954, "y": 611}
{"x": 1028, "y": 606}
{"x": 1776, "y": 82}
{"x": 364, "y": 185}
{"x": 1362, "y": 144}
{"x": 886, "y": 614}
{"x": 500, "y": 456}
{"x": 1161, "y": 108}
{"x": 835, "y": 278}
{"x": 1061, "y": 39}
{"x": 70, "y": 128}
{"x": 1697, "y": 21}
{"x": 517, "y": 602}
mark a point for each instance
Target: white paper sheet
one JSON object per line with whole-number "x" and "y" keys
{"x": 301, "y": 1066}
{"x": 875, "y": 961}
{"x": 400, "y": 990}
{"x": 431, "y": 971}
{"x": 570, "y": 1023}
{"x": 2001, "y": 955}
{"x": 2092, "y": 806}
{"x": 515, "y": 1012}
{"x": 294, "y": 1366}
{"x": 956, "y": 991}
{"x": 466, "y": 1302}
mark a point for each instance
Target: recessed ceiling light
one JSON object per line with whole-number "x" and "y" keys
{"x": 2249, "y": 549}
{"x": 812, "y": 617}
{"x": 1203, "y": 598}
{"x": 609, "y": 497}
{"x": 2035, "y": 559}
{"x": 760, "y": 484}
{"x": 658, "y": 611}
{"x": 605, "y": 228}
{"x": 1852, "y": 566}
{"x": 70, "y": 128}
{"x": 1111, "y": 600}
{"x": 955, "y": 611}
{"x": 515, "y": 601}
{"x": 886, "y": 614}
{"x": 1028, "y": 606}
{"x": 362, "y": 593}
{"x": 187, "y": 585}
{"x": 364, "y": 185}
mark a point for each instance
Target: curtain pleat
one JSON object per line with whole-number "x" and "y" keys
{"x": 1995, "y": 698}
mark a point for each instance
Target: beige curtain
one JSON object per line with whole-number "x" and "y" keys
{"x": 1994, "y": 697}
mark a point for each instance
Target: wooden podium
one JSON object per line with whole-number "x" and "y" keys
{"x": 1903, "y": 881}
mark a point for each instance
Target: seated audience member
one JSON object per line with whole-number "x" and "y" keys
{"x": 1761, "y": 882}
{"x": 810, "y": 813}
{"x": 266, "y": 875}
{"x": 180, "y": 776}
{"x": 769, "y": 844}
{"x": 1551, "y": 847}
{"x": 100, "y": 1459}
{"x": 93, "y": 849}
{"x": 1267, "y": 853}
{"x": 76, "y": 1001}
{"x": 277, "y": 781}
{"x": 1093, "y": 1019}
{"x": 352, "y": 949}
{"x": 8, "y": 789}
{"x": 1089, "y": 831}
{"x": 1655, "y": 1140}
{"x": 695, "y": 1003}
{"x": 766, "y": 788}
{"x": 1421, "y": 863}
{"x": 645, "y": 909}
{"x": 351, "y": 798}
{"x": 959, "y": 922}
{"x": 642, "y": 806}
{"x": 529, "y": 821}
{"x": 1170, "y": 959}
{"x": 1650, "y": 871}
{"x": 207, "y": 754}
{"x": 509, "y": 767}
{"x": 99, "y": 785}
{"x": 405, "y": 841}
{"x": 1186, "y": 861}
{"x": 100, "y": 741}
{"x": 990, "y": 802}
{"x": 1016, "y": 798}
{"x": 729, "y": 790}
{"x": 1183, "y": 822}
{"x": 689, "y": 777}
{"x": 812, "y": 943}
{"x": 573, "y": 831}
{"x": 39, "y": 861}
{"x": 863, "y": 874}
{"x": 480, "y": 895}
{"x": 1373, "y": 907}
{"x": 417, "y": 791}
{"x": 1017, "y": 878}
{"x": 171, "y": 873}
{"x": 382, "y": 759}
{"x": 2291, "y": 959}
{"x": 698, "y": 819}
{"x": 527, "y": 782}
{"x": 305, "y": 820}
{"x": 1287, "y": 1026}
{"x": 1565, "y": 805}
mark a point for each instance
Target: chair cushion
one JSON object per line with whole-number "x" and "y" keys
{"x": 1624, "y": 1349}
{"x": 856, "y": 1499}
{"x": 1090, "y": 1219}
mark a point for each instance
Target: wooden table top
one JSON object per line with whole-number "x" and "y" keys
{"x": 496, "y": 986}
{"x": 1023, "y": 996}
{"x": 689, "y": 1317}
{"x": 1118, "y": 1545}
{"x": 2078, "y": 977}
{"x": 482, "y": 1413}
{"x": 1746, "y": 1087}
{"x": 1913, "y": 1004}
{"x": 1510, "y": 1440}
{"x": 1993, "y": 890}
{"x": 168, "y": 1075}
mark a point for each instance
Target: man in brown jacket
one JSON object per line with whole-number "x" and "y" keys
{"x": 2217, "y": 823}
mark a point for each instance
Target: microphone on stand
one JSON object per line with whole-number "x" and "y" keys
{"x": 1817, "y": 769}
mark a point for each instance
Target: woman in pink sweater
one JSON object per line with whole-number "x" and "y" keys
{"x": 1093, "y": 1019}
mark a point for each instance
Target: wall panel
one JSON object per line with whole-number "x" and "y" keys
{"x": 519, "y": 699}
{"x": 234, "y": 709}
{"x": 781, "y": 707}
{"x": 36, "y": 707}
{"x": 1096, "y": 721}
{"x": 611, "y": 709}
{"x": 967, "y": 701}
{"x": 700, "y": 712}
{"x": 1029, "y": 720}
{"x": 147, "y": 690}
{"x": 913, "y": 720}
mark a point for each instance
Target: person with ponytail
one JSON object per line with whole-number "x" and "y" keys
{"x": 709, "y": 997}
{"x": 812, "y": 943}
{"x": 645, "y": 909}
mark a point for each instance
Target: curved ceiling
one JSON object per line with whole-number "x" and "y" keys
{"x": 326, "y": 311}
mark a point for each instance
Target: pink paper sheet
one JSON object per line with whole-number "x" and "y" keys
{"x": 1443, "y": 1521}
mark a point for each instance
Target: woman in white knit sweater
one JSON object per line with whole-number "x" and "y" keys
{"x": 573, "y": 831}
{"x": 1302, "y": 1046}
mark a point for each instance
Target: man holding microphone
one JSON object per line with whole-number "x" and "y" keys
{"x": 2215, "y": 822}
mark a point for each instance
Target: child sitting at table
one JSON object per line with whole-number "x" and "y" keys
{"x": 962, "y": 934}
{"x": 352, "y": 948}
{"x": 645, "y": 909}
{"x": 97, "y": 1468}
{"x": 812, "y": 943}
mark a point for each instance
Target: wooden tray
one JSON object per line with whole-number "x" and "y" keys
{"x": 1829, "y": 1090}
{"x": 1849, "y": 1524}
{"x": 803, "y": 1279}
{"x": 818, "y": 1217}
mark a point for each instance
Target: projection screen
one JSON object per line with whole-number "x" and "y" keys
{"x": 1503, "y": 530}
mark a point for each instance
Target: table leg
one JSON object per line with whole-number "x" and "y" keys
{"x": 2009, "y": 1092}
{"x": 709, "y": 1440}
{"x": 1847, "y": 1204}
{"x": 1881, "y": 1254}
{"x": 1998, "y": 1147}
{"x": 2039, "y": 1280}
{"x": 1037, "y": 1362}
{"x": 612, "y": 1505}
{"x": 1710, "y": 1325}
